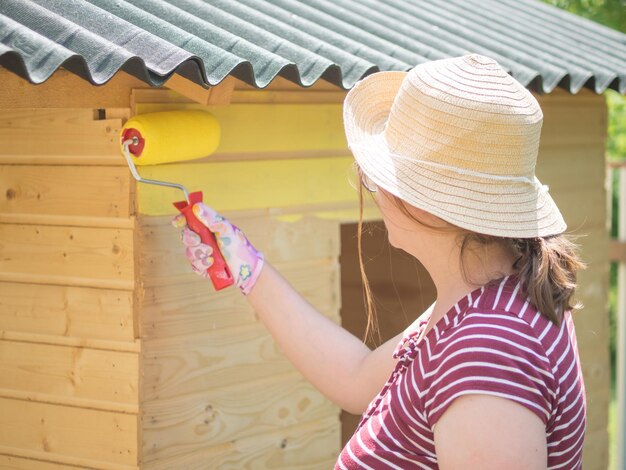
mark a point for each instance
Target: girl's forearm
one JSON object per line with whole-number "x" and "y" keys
{"x": 328, "y": 355}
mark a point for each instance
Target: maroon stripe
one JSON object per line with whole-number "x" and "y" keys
{"x": 491, "y": 345}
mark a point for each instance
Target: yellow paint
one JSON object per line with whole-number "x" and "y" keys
{"x": 258, "y": 184}
{"x": 255, "y": 128}
{"x": 318, "y": 186}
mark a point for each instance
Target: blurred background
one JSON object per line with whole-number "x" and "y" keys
{"x": 611, "y": 13}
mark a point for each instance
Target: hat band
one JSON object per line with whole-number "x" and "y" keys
{"x": 462, "y": 171}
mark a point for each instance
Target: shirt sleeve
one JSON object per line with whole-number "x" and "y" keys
{"x": 493, "y": 354}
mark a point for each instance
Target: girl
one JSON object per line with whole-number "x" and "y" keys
{"x": 489, "y": 376}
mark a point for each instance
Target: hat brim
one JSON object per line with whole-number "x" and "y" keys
{"x": 482, "y": 205}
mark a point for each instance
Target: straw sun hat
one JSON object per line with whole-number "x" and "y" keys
{"x": 457, "y": 138}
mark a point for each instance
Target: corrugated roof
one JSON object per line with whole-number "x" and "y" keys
{"x": 303, "y": 41}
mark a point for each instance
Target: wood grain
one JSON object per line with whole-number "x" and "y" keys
{"x": 66, "y": 255}
{"x": 92, "y": 191}
{"x": 75, "y": 372}
{"x": 46, "y": 132}
{"x": 67, "y": 311}
{"x": 67, "y": 434}
{"x": 307, "y": 446}
{"x": 219, "y": 415}
{"x": 162, "y": 256}
{"x": 67, "y": 90}
{"x": 191, "y": 307}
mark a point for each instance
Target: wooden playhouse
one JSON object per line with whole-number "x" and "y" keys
{"x": 114, "y": 355}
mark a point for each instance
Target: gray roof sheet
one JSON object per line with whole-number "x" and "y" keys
{"x": 303, "y": 41}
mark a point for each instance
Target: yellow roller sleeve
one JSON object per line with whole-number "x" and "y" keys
{"x": 173, "y": 136}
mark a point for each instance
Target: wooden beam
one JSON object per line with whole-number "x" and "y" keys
{"x": 295, "y": 96}
{"x": 218, "y": 95}
{"x": 66, "y": 90}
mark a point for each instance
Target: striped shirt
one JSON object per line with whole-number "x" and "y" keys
{"x": 490, "y": 342}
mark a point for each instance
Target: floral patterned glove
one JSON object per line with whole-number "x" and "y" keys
{"x": 244, "y": 261}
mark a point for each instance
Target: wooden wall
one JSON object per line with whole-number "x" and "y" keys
{"x": 69, "y": 353}
{"x": 102, "y": 326}
{"x": 571, "y": 162}
{"x": 217, "y": 391}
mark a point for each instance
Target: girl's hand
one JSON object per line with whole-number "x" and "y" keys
{"x": 243, "y": 260}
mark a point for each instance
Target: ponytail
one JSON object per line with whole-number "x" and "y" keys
{"x": 547, "y": 269}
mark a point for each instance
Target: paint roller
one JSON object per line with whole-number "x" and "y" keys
{"x": 174, "y": 136}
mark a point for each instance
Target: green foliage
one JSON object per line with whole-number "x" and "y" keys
{"x": 611, "y": 13}
{"x": 616, "y": 143}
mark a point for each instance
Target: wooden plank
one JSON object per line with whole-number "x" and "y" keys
{"x": 571, "y": 166}
{"x": 218, "y": 95}
{"x": 163, "y": 95}
{"x": 578, "y": 117}
{"x": 78, "y": 281}
{"x": 11, "y": 462}
{"x": 196, "y": 363}
{"x": 306, "y": 446}
{"x": 66, "y": 434}
{"x": 294, "y": 183}
{"x": 38, "y": 118}
{"x": 583, "y": 210}
{"x": 67, "y": 255}
{"x": 306, "y": 238}
{"x": 593, "y": 245}
{"x": 86, "y": 403}
{"x": 69, "y": 220}
{"x": 65, "y": 89}
{"x": 252, "y": 128}
{"x": 72, "y": 312}
{"x": 72, "y": 372}
{"x": 93, "y": 191}
{"x": 112, "y": 158}
{"x": 52, "y": 132}
{"x": 101, "y": 344}
{"x": 219, "y": 415}
{"x": 182, "y": 308}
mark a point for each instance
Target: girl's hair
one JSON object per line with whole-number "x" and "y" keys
{"x": 546, "y": 266}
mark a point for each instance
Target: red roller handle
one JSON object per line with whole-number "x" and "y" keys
{"x": 218, "y": 272}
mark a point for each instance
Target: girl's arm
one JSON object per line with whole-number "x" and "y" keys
{"x": 335, "y": 361}
{"x": 490, "y": 433}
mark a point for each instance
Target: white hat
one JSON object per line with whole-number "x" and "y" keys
{"x": 457, "y": 138}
